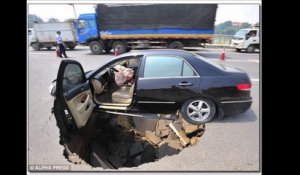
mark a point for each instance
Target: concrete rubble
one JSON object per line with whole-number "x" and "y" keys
{"x": 114, "y": 142}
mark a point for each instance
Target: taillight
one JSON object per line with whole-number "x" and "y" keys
{"x": 244, "y": 87}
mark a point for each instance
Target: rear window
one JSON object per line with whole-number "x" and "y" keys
{"x": 210, "y": 62}
{"x": 222, "y": 67}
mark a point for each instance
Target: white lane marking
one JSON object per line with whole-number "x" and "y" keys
{"x": 255, "y": 79}
{"x": 256, "y": 61}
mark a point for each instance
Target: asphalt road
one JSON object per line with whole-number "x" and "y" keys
{"x": 232, "y": 144}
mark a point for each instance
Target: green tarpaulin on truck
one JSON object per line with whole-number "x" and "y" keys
{"x": 155, "y": 16}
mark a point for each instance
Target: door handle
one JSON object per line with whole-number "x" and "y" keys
{"x": 185, "y": 84}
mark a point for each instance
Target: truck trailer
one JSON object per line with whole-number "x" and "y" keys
{"x": 43, "y": 35}
{"x": 124, "y": 27}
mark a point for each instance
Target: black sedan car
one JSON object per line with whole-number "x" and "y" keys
{"x": 161, "y": 81}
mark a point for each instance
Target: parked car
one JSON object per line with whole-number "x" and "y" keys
{"x": 163, "y": 81}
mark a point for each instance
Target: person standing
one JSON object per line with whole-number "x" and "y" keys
{"x": 61, "y": 46}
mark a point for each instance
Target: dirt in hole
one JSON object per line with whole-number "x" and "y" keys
{"x": 119, "y": 141}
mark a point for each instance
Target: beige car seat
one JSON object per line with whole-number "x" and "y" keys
{"x": 123, "y": 95}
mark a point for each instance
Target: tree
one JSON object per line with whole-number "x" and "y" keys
{"x": 32, "y": 18}
{"x": 226, "y": 28}
{"x": 244, "y": 25}
{"x": 69, "y": 20}
{"x": 53, "y": 20}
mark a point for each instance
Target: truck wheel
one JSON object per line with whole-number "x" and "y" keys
{"x": 176, "y": 45}
{"x": 107, "y": 49}
{"x": 35, "y": 46}
{"x": 71, "y": 47}
{"x": 96, "y": 47}
{"x": 250, "y": 49}
{"x": 120, "y": 46}
{"x": 128, "y": 49}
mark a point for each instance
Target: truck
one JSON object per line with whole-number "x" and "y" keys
{"x": 246, "y": 39}
{"x": 30, "y": 35}
{"x": 43, "y": 35}
{"x": 125, "y": 27}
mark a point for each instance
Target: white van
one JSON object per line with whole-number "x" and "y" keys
{"x": 246, "y": 39}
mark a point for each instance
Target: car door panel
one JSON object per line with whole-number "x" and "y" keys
{"x": 165, "y": 82}
{"x": 165, "y": 95}
{"x": 81, "y": 107}
{"x": 76, "y": 90}
{"x": 74, "y": 93}
{"x": 167, "y": 90}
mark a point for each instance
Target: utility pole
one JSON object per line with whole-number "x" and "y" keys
{"x": 74, "y": 10}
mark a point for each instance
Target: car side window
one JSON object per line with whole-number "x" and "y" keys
{"x": 91, "y": 23}
{"x": 166, "y": 66}
{"x": 72, "y": 76}
{"x": 187, "y": 70}
{"x": 81, "y": 24}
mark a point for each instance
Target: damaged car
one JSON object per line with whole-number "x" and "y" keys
{"x": 150, "y": 82}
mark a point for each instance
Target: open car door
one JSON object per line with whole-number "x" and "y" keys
{"x": 73, "y": 104}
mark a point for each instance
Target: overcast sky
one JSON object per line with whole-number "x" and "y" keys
{"x": 235, "y": 13}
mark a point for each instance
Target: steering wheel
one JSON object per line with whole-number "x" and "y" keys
{"x": 111, "y": 73}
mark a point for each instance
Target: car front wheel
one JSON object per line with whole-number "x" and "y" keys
{"x": 198, "y": 111}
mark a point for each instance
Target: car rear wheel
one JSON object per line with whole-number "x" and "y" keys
{"x": 198, "y": 111}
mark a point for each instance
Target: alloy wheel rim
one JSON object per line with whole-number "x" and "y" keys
{"x": 198, "y": 110}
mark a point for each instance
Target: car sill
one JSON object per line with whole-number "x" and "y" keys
{"x": 240, "y": 101}
{"x": 162, "y": 102}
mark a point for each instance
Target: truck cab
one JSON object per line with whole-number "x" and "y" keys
{"x": 246, "y": 39}
{"x": 87, "y": 28}
{"x": 30, "y": 36}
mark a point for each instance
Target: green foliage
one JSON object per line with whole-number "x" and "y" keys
{"x": 33, "y": 19}
{"x": 53, "y": 20}
{"x": 226, "y": 28}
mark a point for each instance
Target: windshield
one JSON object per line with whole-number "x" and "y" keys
{"x": 82, "y": 24}
{"x": 240, "y": 34}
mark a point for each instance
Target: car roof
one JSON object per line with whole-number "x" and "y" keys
{"x": 158, "y": 51}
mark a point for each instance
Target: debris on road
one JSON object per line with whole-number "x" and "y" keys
{"x": 114, "y": 142}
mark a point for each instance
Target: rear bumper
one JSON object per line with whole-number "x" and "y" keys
{"x": 235, "y": 107}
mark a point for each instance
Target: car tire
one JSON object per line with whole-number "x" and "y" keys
{"x": 176, "y": 45}
{"x": 204, "y": 111}
{"x": 96, "y": 47}
{"x": 65, "y": 129}
{"x": 250, "y": 49}
{"x": 120, "y": 46}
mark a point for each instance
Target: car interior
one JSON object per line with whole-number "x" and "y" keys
{"x": 114, "y": 86}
